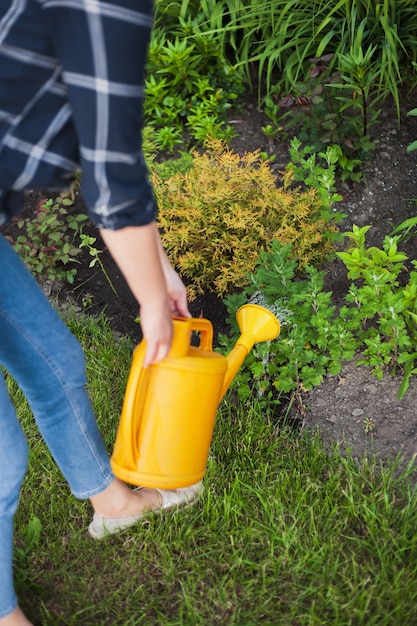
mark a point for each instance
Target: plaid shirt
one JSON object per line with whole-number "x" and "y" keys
{"x": 71, "y": 97}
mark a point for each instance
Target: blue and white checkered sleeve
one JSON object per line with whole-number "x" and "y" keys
{"x": 102, "y": 47}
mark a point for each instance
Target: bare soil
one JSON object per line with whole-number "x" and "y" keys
{"x": 355, "y": 410}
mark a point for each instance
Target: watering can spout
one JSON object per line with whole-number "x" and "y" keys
{"x": 256, "y": 324}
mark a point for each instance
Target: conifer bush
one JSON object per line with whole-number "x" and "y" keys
{"x": 218, "y": 215}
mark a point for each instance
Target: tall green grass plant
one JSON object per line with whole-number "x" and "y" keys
{"x": 282, "y": 35}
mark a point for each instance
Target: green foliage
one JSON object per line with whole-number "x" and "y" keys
{"x": 313, "y": 340}
{"x": 413, "y": 144}
{"x": 316, "y": 171}
{"x": 313, "y": 108}
{"x": 321, "y": 67}
{"x": 359, "y": 76}
{"x": 189, "y": 87}
{"x": 378, "y": 322}
{"x": 384, "y": 311}
{"x": 87, "y": 241}
{"x": 280, "y": 37}
{"x": 23, "y": 553}
{"x": 170, "y": 167}
{"x": 45, "y": 245}
{"x": 406, "y": 230}
{"x": 219, "y": 214}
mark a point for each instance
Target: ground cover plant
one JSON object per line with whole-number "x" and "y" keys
{"x": 224, "y": 209}
{"x": 376, "y": 324}
{"x": 48, "y": 242}
{"x": 284, "y": 533}
{"x": 190, "y": 85}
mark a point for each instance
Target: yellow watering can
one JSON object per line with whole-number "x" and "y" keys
{"x": 169, "y": 410}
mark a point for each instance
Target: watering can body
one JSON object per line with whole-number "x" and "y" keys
{"x": 170, "y": 408}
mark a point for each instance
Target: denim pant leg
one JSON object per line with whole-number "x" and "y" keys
{"x": 47, "y": 362}
{"x": 13, "y": 463}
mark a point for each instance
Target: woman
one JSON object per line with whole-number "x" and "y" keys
{"x": 71, "y": 89}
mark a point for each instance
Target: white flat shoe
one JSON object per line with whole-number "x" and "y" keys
{"x": 101, "y": 527}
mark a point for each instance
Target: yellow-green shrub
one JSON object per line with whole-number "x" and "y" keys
{"x": 218, "y": 215}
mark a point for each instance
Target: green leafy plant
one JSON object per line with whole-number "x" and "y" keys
{"x": 321, "y": 117}
{"x": 189, "y": 86}
{"x": 378, "y": 323}
{"x": 360, "y": 80}
{"x": 217, "y": 215}
{"x": 87, "y": 301}
{"x": 87, "y": 241}
{"x": 405, "y": 230}
{"x": 368, "y": 425}
{"x": 45, "y": 245}
{"x": 169, "y": 167}
{"x": 316, "y": 171}
{"x": 313, "y": 339}
{"x": 168, "y": 138}
{"x": 384, "y": 311}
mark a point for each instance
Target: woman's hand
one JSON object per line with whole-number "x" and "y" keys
{"x": 156, "y": 324}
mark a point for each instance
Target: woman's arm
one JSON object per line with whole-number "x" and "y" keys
{"x": 158, "y": 289}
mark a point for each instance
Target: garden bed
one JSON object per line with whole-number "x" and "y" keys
{"x": 354, "y": 409}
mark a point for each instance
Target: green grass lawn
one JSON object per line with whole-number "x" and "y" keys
{"x": 284, "y": 534}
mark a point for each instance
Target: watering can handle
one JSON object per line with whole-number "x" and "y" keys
{"x": 132, "y": 409}
{"x": 205, "y": 328}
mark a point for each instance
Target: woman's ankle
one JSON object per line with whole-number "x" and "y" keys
{"x": 16, "y": 618}
{"x": 118, "y": 500}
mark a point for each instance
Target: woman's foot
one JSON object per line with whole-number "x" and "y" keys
{"x": 17, "y": 618}
{"x": 113, "y": 517}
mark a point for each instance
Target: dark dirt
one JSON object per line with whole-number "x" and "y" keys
{"x": 354, "y": 410}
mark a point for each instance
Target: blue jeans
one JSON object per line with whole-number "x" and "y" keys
{"x": 47, "y": 362}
